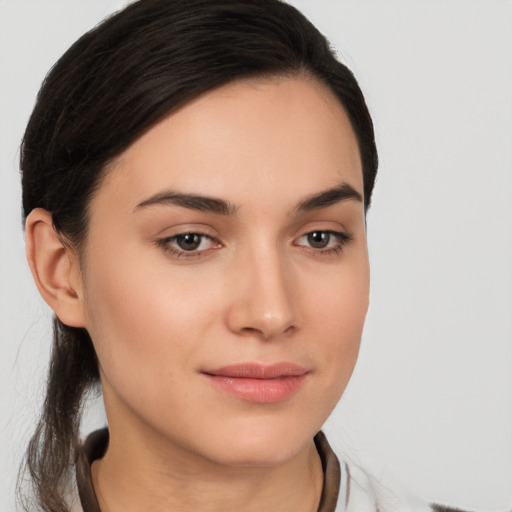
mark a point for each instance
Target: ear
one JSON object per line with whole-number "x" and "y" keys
{"x": 55, "y": 269}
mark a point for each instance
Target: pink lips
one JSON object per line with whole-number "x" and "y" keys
{"x": 259, "y": 383}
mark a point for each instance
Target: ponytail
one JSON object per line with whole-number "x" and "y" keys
{"x": 53, "y": 447}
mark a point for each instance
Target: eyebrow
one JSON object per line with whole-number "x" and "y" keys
{"x": 191, "y": 201}
{"x": 329, "y": 197}
{"x": 323, "y": 199}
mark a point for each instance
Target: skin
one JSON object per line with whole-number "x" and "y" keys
{"x": 255, "y": 290}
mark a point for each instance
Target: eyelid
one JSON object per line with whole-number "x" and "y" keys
{"x": 344, "y": 238}
{"x": 168, "y": 243}
{"x": 165, "y": 243}
{"x": 182, "y": 228}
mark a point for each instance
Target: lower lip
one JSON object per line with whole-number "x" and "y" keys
{"x": 264, "y": 391}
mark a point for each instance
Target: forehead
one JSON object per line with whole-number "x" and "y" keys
{"x": 248, "y": 138}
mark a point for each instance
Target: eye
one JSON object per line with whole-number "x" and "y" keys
{"x": 189, "y": 241}
{"x": 188, "y": 244}
{"x": 324, "y": 241}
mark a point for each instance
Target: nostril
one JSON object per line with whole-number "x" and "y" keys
{"x": 251, "y": 331}
{"x": 267, "y": 334}
{"x": 289, "y": 330}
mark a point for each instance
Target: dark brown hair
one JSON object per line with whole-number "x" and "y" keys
{"x": 111, "y": 86}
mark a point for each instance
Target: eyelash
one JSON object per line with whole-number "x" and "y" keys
{"x": 342, "y": 237}
{"x": 165, "y": 243}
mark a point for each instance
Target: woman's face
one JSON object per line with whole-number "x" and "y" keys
{"x": 225, "y": 276}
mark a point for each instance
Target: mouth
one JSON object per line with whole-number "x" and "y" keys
{"x": 259, "y": 383}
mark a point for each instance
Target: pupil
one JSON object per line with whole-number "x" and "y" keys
{"x": 318, "y": 239}
{"x": 189, "y": 242}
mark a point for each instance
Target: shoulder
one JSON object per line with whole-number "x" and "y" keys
{"x": 441, "y": 508}
{"x": 353, "y": 488}
{"x": 360, "y": 489}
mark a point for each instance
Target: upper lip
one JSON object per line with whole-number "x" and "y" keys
{"x": 259, "y": 371}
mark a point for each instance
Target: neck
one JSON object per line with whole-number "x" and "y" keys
{"x": 186, "y": 482}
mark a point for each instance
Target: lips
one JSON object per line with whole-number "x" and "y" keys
{"x": 259, "y": 383}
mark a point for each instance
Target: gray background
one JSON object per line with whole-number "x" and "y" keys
{"x": 431, "y": 398}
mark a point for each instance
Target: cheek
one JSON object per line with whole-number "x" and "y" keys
{"x": 145, "y": 320}
{"x": 338, "y": 314}
{"x": 339, "y": 295}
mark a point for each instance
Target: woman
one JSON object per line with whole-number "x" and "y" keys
{"x": 196, "y": 176}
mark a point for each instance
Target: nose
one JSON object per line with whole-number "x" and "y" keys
{"x": 263, "y": 303}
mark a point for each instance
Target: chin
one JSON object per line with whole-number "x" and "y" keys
{"x": 258, "y": 454}
{"x": 265, "y": 444}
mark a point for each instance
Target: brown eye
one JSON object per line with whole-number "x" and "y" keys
{"x": 189, "y": 241}
{"x": 188, "y": 244}
{"x": 319, "y": 239}
{"x": 324, "y": 242}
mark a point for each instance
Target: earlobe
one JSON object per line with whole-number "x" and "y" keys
{"x": 55, "y": 268}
